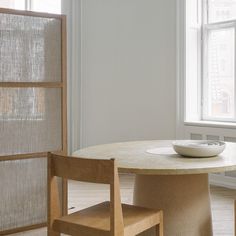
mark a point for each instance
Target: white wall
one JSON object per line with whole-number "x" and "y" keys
{"x": 128, "y": 79}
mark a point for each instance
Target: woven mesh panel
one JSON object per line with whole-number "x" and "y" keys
{"x": 30, "y": 49}
{"x": 23, "y": 198}
{"x": 30, "y": 120}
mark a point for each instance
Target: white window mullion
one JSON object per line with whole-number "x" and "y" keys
{"x": 27, "y": 5}
{"x": 204, "y": 78}
{"x": 204, "y": 12}
{"x": 235, "y": 72}
{"x": 220, "y": 25}
{"x": 202, "y": 57}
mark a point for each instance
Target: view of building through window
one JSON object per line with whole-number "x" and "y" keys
{"x": 14, "y": 4}
{"x": 52, "y": 6}
{"x": 221, "y": 79}
{"x": 221, "y": 10}
{"x": 219, "y": 60}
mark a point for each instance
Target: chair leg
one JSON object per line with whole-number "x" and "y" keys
{"x": 159, "y": 230}
{"x": 53, "y": 233}
{"x": 235, "y": 218}
{"x": 160, "y": 227}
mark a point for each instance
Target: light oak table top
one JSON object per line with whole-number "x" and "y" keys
{"x": 133, "y": 157}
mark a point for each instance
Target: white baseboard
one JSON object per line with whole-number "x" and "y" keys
{"x": 222, "y": 181}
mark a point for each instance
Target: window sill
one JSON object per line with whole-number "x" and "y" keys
{"x": 213, "y": 124}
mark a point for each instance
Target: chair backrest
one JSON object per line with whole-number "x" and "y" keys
{"x": 85, "y": 170}
{"x": 81, "y": 169}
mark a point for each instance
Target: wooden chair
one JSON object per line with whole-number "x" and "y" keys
{"x": 235, "y": 218}
{"x": 105, "y": 219}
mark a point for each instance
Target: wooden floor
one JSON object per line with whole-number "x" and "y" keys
{"x": 83, "y": 195}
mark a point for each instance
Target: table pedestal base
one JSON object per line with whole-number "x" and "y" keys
{"x": 184, "y": 200}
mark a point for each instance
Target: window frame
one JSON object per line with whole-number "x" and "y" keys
{"x": 201, "y": 48}
{"x": 29, "y": 6}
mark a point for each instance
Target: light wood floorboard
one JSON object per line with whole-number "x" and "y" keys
{"x": 82, "y": 195}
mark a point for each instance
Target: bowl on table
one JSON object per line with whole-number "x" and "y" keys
{"x": 198, "y": 148}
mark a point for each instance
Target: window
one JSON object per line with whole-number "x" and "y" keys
{"x": 50, "y": 6}
{"x": 14, "y": 4}
{"x": 210, "y": 60}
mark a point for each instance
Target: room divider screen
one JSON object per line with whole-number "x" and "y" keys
{"x": 32, "y": 113}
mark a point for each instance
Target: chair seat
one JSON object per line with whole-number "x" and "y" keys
{"x": 95, "y": 220}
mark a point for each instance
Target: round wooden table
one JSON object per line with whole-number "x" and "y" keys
{"x": 165, "y": 180}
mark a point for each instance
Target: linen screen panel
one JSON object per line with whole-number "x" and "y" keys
{"x": 32, "y": 112}
{"x": 30, "y": 120}
{"x": 30, "y": 49}
{"x": 23, "y": 192}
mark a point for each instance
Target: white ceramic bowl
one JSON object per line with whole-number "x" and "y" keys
{"x": 198, "y": 148}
